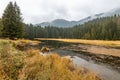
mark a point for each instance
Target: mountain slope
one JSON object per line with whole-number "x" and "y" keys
{"x": 65, "y": 23}
{"x": 59, "y": 23}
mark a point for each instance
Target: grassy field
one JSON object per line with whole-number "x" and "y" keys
{"x": 91, "y": 42}
{"x": 17, "y": 64}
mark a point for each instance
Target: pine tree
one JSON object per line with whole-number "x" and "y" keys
{"x": 13, "y": 26}
{"x": 1, "y": 26}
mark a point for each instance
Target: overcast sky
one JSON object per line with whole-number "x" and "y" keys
{"x": 36, "y": 11}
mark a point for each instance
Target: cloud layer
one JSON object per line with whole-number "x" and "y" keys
{"x": 36, "y": 11}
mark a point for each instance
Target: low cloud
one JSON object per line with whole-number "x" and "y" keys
{"x": 36, "y": 11}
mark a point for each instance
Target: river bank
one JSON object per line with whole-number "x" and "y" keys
{"x": 102, "y": 70}
{"x": 100, "y": 54}
{"x": 21, "y": 60}
{"x": 79, "y": 56}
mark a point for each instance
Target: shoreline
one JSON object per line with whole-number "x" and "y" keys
{"x": 108, "y": 59}
{"x": 100, "y": 54}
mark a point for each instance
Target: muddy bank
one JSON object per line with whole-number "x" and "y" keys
{"x": 96, "y": 53}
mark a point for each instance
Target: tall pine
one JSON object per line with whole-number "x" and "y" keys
{"x": 13, "y": 26}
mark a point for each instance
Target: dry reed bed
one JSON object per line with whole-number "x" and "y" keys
{"x": 30, "y": 65}
{"x": 91, "y": 42}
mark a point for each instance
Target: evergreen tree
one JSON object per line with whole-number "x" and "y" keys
{"x": 13, "y": 26}
{"x": 1, "y": 26}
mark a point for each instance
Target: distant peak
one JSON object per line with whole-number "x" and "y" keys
{"x": 59, "y": 20}
{"x": 67, "y": 23}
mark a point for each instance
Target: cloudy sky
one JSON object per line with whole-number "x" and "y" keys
{"x": 36, "y": 11}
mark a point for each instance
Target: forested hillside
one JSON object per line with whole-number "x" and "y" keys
{"x": 107, "y": 28}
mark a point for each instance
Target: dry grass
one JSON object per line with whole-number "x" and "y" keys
{"x": 24, "y": 41}
{"x": 91, "y": 42}
{"x": 23, "y": 44}
{"x": 11, "y": 61}
{"x": 52, "y": 67}
{"x": 30, "y": 65}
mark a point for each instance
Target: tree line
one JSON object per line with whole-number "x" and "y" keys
{"x": 107, "y": 28}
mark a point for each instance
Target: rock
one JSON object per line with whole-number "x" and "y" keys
{"x": 45, "y": 49}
